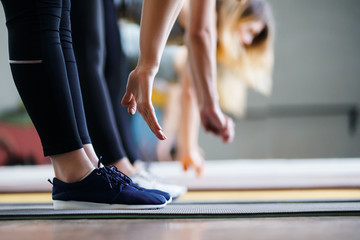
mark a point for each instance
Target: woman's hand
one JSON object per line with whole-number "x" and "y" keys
{"x": 138, "y": 97}
{"x": 213, "y": 120}
{"x": 194, "y": 158}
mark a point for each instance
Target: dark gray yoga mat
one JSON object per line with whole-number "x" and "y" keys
{"x": 189, "y": 210}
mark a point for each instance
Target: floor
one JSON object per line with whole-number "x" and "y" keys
{"x": 250, "y": 181}
{"x": 302, "y": 228}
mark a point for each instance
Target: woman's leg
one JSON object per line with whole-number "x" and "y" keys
{"x": 40, "y": 76}
{"x": 72, "y": 73}
{"x": 88, "y": 187}
{"x": 89, "y": 45}
{"x": 116, "y": 73}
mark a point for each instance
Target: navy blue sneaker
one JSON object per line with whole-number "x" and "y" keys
{"x": 116, "y": 173}
{"x": 101, "y": 190}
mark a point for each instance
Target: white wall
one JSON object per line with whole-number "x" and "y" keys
{"x": 317, "y": 52}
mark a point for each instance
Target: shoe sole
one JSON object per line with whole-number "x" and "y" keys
{"x": 58, "y": 205}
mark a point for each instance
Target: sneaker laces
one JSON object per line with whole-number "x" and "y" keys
{"x": 110, "y": 176}
{"x": 116, "y": 173}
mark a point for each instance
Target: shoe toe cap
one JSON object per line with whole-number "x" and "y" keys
{"x": 146, "y": 198}
{"x": 166, "y": 195}
{"x": 153, "y": 199}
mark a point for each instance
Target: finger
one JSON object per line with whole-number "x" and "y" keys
{"x": 185, "y": 167}
{"x": 132, "y": 106}
{"x": 210, "y": 126}
{"x": 185, "y": 162}
{"x": 150, "y": 118}
{"x": 231, "y": 130}
{"x": 213, "y": 129}
{"x": 127, "y": 98}
{"x": 225, "y": 133}
{"x": 226, "y": 138}
{"x": 206, "y": 127}
{"x": 199, "y": 171}
{"x": 153, "y": 120}
{"x": 204, "y": 123}
{"x": 228, "y": 133}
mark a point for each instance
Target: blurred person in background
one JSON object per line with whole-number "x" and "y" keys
{"x": 201, "y": 43}
{"x": 244, "y": 55}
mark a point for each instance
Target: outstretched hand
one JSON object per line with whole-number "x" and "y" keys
{"x": 213, "y": 120}
{"x": 194, "y": 158}
{"x": 138, "y": 97}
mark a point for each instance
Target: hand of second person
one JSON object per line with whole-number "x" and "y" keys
{"x": 138, "y": 97}
{"x": 213, "y": 120}
{"x": 194, "y": 158}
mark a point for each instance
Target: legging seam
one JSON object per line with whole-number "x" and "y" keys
{"x": 25, "y": 61}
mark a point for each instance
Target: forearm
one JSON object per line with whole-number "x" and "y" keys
{"x": 201, "y": 42}
{"x": 158, "y": 17}
{"x": 189, "y": 124}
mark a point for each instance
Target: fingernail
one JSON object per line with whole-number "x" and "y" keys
{"x": 132, "y": 111}
{"x": 163, "y": 135}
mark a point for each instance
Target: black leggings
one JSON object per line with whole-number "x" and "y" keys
{"x": 117, "y": 71}
{"x": 44, "y": 70}
{"x": 103, "y": 74}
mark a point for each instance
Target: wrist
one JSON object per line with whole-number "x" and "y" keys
{"x": 209, "y": 103}
{"x": 147, "y": 70}
{"x": 149, "y": 67}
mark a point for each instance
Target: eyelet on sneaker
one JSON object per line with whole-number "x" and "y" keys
{"x": 98, "y": 173}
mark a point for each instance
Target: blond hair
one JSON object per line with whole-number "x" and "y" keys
{"x": 242, "y": 66}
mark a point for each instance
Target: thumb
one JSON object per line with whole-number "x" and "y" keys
{"x": 127, "y": 98}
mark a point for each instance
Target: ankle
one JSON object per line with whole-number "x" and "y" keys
{"x": 72, "y": 166}
{"x": 90, "y": 152}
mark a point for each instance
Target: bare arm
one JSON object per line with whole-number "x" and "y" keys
{"x": 201, "y": 43}
{"x": 158, "y": 17}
